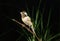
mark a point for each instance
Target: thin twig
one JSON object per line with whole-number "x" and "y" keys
{"x": 25, "y": 28}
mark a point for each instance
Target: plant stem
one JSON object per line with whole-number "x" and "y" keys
{"x": 26, "y": 28}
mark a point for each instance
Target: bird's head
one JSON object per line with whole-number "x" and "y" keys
{"x": 23, "y": 14}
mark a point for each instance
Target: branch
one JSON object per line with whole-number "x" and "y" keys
{"x": 25, "y": 28}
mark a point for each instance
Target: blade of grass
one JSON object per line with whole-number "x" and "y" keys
{"x": 37, "y": 28}
{"x": 41, "y": 21}
{"x": 1, "y": 35}
{"x": 53, "y": 37}
{"x": 19, "y": 36}
{"x": 49, "y": 18}
{"x": 32, "y": 14}
{"x": 29, "y": 39}
{"x": 24, "y": 32}
{"x": 47, "y": 33}
{"x": 37, "y": 13}
{"x": 47, "y": 29}
{"x": 39, "y": 4}
{"x": 45, "y": 36}
{"x": 38, "y": 23}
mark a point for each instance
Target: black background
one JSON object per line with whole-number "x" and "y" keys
{"x": 12, "y": 8}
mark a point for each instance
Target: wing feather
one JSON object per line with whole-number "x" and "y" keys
{"x": 27, "y": 21}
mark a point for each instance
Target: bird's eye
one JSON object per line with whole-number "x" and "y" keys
{"x": 25, "y": 15}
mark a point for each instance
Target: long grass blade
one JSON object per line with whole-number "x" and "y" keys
{"x": 32, "y": 14}
{"x": 47, "y": 30}
{"x": 38, "y": 23}
{"x": 23, "y": 31}
{"x": 42, "y": 22}
{"x": 47, "y": 34}
{"x": 19, "y": 36}
{"x": 36, "y": 20}
{"x": 49, "y": 18}
{"x": 53, "y": 37}
{"x": 37, "y": 13}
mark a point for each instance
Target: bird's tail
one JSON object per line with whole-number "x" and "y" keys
{"x": 32, "y": 29}
{"x": 33, "y": 32}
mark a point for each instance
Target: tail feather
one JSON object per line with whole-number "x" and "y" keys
{"x": 32, "y": 28}
{"x": 33, "y": 32}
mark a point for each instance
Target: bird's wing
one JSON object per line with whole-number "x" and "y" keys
{"x": 28, "y": 18}
{"x": 27, "y": 21}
